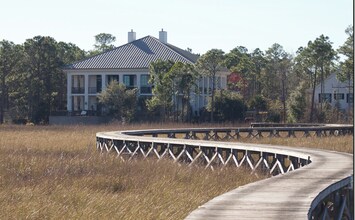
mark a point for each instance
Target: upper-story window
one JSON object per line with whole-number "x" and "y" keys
{"x": 111, "y": 78}
{"x": 130, "y": 81}
{"x": 146, "y": 88}
{"x": 77, "y": 84}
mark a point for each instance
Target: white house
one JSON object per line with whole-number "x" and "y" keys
{"x": 128, "y": 64}
{"x": 338, "y": 94}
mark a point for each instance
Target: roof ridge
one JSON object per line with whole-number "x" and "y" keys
{"x": 171, "y": 49}
{"x": 104, "y": 52}
{"x": 112, "y": 57}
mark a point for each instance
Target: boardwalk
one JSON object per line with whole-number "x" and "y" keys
{"x": 306, "y": 183}
{"x": 287, "y": 196}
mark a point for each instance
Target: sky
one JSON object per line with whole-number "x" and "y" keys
{"x": 197, "y": 24}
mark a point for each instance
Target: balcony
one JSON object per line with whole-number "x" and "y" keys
{"x": 77, "y": 90}
{"x": 131, "y": 87}
{"x": 93, "y": 90}
{"x": 146, "y": 90}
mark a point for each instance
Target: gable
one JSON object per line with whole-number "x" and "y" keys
{"x": 331, "y": 83}
{"x": 137, "y": 54}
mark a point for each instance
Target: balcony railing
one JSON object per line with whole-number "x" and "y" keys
{"x": 93, "y": 90}
{"x": 77, "y": 90}
{"x": 146, "y": 90}
{"x": 131, "y": 87}
{"x": 76, "y": 113}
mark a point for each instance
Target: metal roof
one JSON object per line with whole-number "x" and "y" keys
{"x": 137, "y": 54}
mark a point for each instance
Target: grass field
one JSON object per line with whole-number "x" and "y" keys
{"x": 55, "y": 172}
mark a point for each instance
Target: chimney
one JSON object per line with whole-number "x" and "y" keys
{"x": 131, "y": 36}
{"x": 163, "y": 36}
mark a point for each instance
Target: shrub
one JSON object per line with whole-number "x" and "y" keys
{"x": 228, "y": 106}
{"x": 119, "y": 101}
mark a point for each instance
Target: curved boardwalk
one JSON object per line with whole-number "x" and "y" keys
{"x": 285, "y": 196}
{"x": 306, "y": 183}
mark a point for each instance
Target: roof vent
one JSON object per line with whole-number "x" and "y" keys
{"x": 163, "y": 36}
{"x": 131, "y": 36}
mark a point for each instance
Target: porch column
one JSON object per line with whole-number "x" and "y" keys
{"x": 120, "y": 78}
{"x": 69, "y": 96}
{"x": 103, "y": 82}
{"x": 139, "y": 83}
{"x": 86, "y": 94}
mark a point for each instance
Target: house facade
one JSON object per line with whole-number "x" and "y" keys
{"x": 129, "y": 65}
{"x": 338, "y": 94}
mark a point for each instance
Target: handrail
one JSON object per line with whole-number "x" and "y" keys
{"x": 185, "y": 145}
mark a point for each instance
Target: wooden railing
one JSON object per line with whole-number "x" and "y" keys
{"x": 327, "y": 178}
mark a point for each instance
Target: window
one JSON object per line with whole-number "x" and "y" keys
{"x": 129, "y": 81}
{"x": 98, "y": 83}
{"x": 325, "y": 97}
{"x": 338, "y": 96}
{"x": 145, "y": 86}
{"x": 350, "y": 98}
{"x": 111, "y": 78}
{"x": 77, "y": 84}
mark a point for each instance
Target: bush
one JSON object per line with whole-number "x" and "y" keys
{"x": 274, "y": 117}
{"x": 296, "y": 104}
{"x": 258, "y": 103}
{"x": 228, "y": 106}
{"x": 119, "y": 101}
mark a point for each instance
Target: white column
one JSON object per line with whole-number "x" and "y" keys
{"x": 69, "y": 97}
{"x": 139, "y": 82}
{"x": 103, "y": 82}
{"x": 120, "y": 78}
{"x": 86, "y": 92}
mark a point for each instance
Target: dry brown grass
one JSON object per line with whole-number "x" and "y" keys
{"x": 54, "y": 172}
{"x": 338, "y": 143}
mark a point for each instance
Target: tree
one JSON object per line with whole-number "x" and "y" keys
{"x": 258, "y": 65}
{"x": 209, "y": 64}
{"x": 296, "y": 104}
{"x": 9, "y": 58}
{"x": 162, "y": 87}
{"x": 234, "y": 57}
{"x": 183, "y": 78}
{"x": 275, "y": 77}
{"x": 347, "y": 49}
{"x": 37, "y": 87}
{"x": 229, "y": 106}
{"x": 239, "y": 61}
{"x": 42, "y": 66}
{"x": 119, "y": 101}
{"x": 258, "y": 103}
{"x": 103, "y": 42}
{"x": 317, "y": 61}
{"x": 347, "y": 66}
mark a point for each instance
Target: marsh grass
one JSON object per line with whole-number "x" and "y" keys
{"x": 331, "y": 143}
{"x": 55, "y": 172}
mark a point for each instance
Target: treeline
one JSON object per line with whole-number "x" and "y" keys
{"x": 32, "y": 81}
{"x": 273, "y": 82}
{"x": 33, "y": 84}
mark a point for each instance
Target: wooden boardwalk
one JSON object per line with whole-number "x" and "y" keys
{"x": 307, "y": 183}
{"x": 285, "y": 196}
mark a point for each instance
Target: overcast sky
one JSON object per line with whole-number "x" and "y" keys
{"x": 197, "y": 24}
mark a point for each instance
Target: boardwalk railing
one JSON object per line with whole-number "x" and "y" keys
{"x": 193, "y": 146}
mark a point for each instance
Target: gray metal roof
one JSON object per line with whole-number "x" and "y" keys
{"x": 137, "y": 54}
